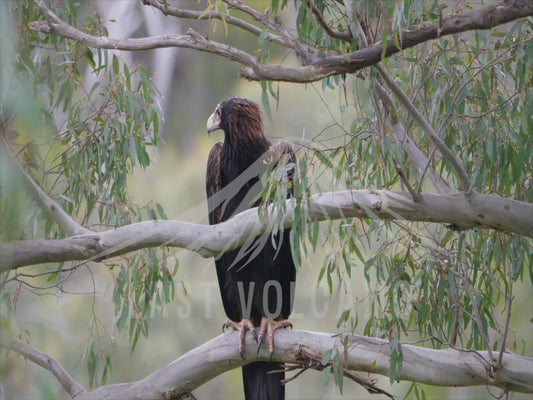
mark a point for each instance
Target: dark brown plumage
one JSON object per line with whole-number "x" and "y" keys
{"x": 257, "y": 271}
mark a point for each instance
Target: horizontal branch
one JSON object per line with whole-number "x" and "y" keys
{"x": 479, "y": 19}
{"x": 313, "y": 68}
{"x": 447, "y": 367}
{"x": 192, "y": 40}
{"x": 459, "y": 210}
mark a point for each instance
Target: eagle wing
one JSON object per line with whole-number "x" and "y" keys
{"x": 275, "y": 155}
{"x": 214, "y": 183}
{"x": 279, "y": 261}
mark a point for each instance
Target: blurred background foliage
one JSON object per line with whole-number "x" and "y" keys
{"x": 118, "y": 137}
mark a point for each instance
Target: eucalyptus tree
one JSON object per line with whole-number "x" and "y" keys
{"x": 429, "y": 182}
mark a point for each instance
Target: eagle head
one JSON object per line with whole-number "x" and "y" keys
{"x": 237, "y": 117}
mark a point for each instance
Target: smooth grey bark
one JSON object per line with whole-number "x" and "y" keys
{"x": 448, "y": 367}
{"x": 459, "y": 210}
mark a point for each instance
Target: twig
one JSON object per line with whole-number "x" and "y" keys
{"x": 477, "y": 316}
{"x": 432, "y": 173}
{"x": 414, "y": 194}
{"x": 346, "y": 36}
{"x": 368, "y": 384}
{"x": 509, "y": 296}
{"x": 47, "y": 12}
{"x": 193, "y": 14}
{"x": 304, "y": 53}
{"x": 302, "y": 368}
{"x": 311, "y": 359}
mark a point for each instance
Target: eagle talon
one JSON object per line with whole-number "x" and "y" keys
{"x": 254, "y": 335}
{"x": 260, "y": 343}
{"x": 241, "y": 327}
{"x": 268, "y": 327}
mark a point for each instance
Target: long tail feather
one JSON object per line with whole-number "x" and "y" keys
{"x": 259, "y": 384}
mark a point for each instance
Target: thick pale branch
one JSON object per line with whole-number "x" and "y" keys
{"x": 434, "y": 367}
{"x": 459, "y": 210}
{"x": 312, "y": 68}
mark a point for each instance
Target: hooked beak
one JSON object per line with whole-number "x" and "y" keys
{"x": 213, "y": 123}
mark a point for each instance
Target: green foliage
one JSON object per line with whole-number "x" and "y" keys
{"x": 334, "y": 363}
{"x": 427, "y": 282}
{"x": 81, "y": 142}
{"x": 423, "y": 280}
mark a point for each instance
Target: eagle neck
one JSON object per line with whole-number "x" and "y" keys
{"x": 241, "y": 149}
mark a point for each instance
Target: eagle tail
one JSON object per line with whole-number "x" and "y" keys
{"x": 259, "y": 384}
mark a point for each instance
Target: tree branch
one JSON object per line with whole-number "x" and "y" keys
{"x": 416, "y": 155}
{"x": 448, "y": 367}
{"x": 346, "y": 36}
{"x": 312, "y": 68}
{"x": 72, "y": 387}
{"x": 457, "y": 209}
{"x": 192, "y": 40}
{"x": 303, "y": 52}
{"x": 54, "y": 210}
{"x": 464, "y": 180}
{"x": 167, "y": 9}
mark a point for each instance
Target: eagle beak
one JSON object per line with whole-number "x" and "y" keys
{"x": 213, "y": 123}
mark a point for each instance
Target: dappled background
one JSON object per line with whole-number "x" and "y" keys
{"x": 190, "y": 84}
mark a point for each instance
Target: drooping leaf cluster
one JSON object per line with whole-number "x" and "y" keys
{"x": 424, "y": 281}
{"x": 80, "y": 120}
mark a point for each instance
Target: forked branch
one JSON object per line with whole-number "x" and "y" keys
{"x": 311, "y": 67}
